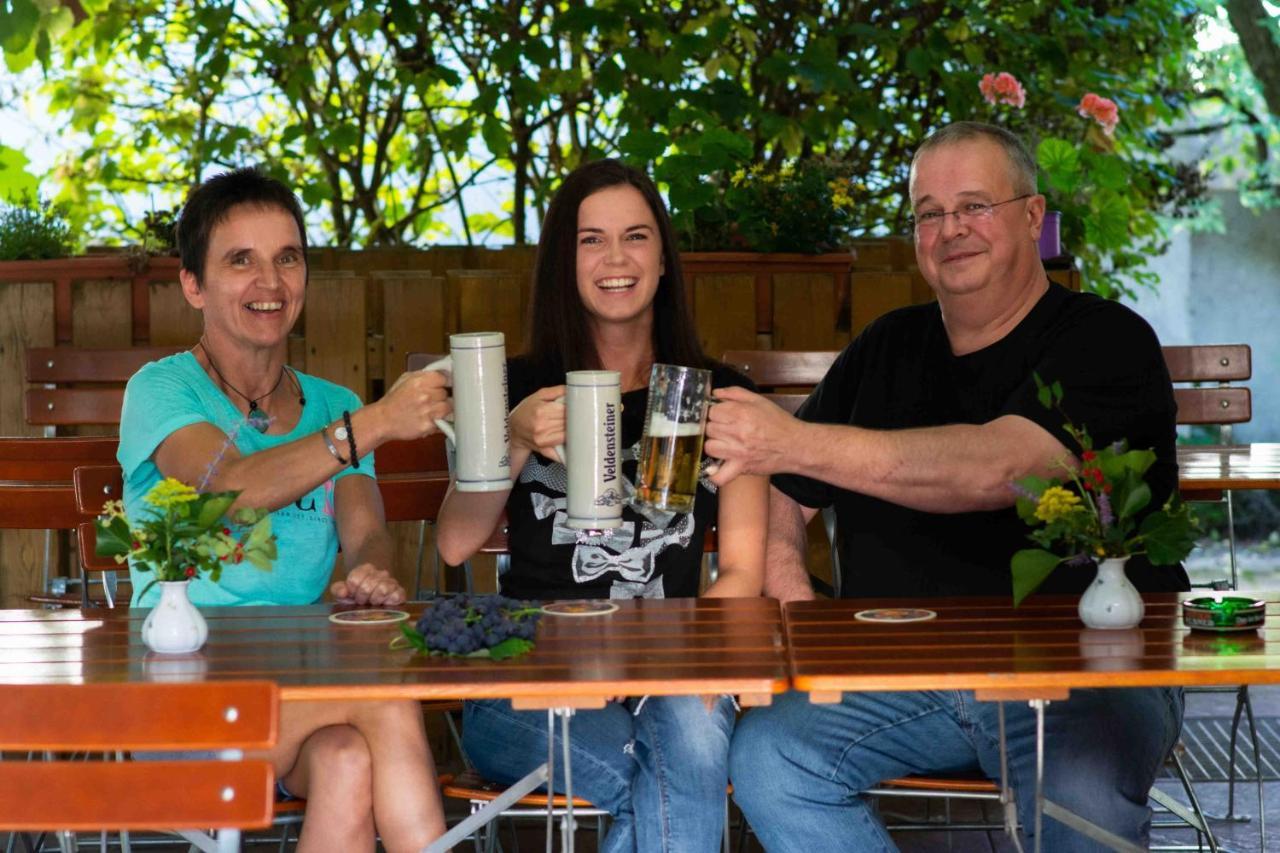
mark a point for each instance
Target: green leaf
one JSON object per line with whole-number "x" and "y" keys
{"x": 215, "y": 506}
{"x": 15, "y": 181}
{"x": 644, "y": 145}
{"x": 511, "y": 647}
{"x": 1169, "y": 534}
{"x": 113, "y": 538}
{"x": 495, "y": 135}
{"x": 415, "y": 639}
{"x": 1137, "y": 498}
{"x": 1030, "y": 567}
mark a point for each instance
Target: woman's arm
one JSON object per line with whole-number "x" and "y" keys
{"x": 467, "y": 519}
{"x": 367, "y": 549}
{"x": 743, "y": 529}
{"x": 279, "y": 476}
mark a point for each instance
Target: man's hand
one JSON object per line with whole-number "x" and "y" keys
{"x": 368, "y": 585}
{"x": 750, "y": 434}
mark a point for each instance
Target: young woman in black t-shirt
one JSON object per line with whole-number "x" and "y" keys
{"x": 609, "y": 295}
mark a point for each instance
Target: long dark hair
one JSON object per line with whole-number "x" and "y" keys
{"x": 559, "y": 334}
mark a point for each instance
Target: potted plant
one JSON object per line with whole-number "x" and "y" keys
{"x": 1097, "y": 513}
{"x": 185, "y": 537}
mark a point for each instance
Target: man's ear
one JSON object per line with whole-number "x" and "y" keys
{"x": 1035, "y": 215}
{"x": 191, "y": 289}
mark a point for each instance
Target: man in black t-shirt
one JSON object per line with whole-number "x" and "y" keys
{"x": 915, "y": 436}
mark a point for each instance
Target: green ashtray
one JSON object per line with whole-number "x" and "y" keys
{"x": 1228, "y": 613}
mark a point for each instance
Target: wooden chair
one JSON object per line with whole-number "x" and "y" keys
{"x": 82, "y": 386}
{"x": 782, "y": 376}
{"x": 37, "y": 493}
{"x": 69, "y": 796}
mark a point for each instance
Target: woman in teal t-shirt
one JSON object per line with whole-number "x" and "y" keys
{"x": 231, "y": 415}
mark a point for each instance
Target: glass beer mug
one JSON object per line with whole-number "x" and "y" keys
{"x": 671, "y": 450}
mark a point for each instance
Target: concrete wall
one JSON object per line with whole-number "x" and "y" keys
{"x": 1225, "y": 289}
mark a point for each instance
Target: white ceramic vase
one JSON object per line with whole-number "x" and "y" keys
{"x": 174, "y": 625}
{"x": 1111, "y": 601}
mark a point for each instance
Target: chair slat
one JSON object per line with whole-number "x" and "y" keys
{"x": 780, "y": 368}
{"x": 1209, "y": 363}
{"x": 54, "y": 365}
{"x": 1213, "y": 405}
{"x": 38, "y": 506}
{"x": 73, "y": 406}
{"x": 52, "y": 459}
{"x": 410, "y": 497}
{"x": 144, "y": 795}
{"x": 95, "y": 485}
{"x": 99, "y": 717}
{"x": 790, "y": 402}
{"x": 403, "y": 457}
{"x": 419, "y": 360}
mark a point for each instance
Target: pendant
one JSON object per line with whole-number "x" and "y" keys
{"x": 258, "y": 419}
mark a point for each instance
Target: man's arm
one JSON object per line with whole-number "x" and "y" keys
{"x": 366, "y": 544}
{"x": 957, "y": 468}
{"x": 786, "y": 577}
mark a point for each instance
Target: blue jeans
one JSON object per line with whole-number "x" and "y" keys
{"x": 799, "y": 769}
{"x": 660, "y": 771}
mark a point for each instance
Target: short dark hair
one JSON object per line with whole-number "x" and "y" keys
{"x": 559, "y": 334}
{"x": 209, "y": 204}
{"x": 1020, "y": 159}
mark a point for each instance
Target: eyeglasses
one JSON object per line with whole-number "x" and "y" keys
{"x": 974, "y": 211}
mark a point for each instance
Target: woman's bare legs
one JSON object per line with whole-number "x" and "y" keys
{"x": 333, "y": 771}
{"x": 399, "y": 778}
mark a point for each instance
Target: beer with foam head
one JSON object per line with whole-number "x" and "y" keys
{"x": 671, "y": 450}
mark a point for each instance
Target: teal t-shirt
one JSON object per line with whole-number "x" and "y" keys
{"x": 174, "y": 392}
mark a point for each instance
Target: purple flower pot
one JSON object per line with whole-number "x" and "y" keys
{"x": 1050, "y": 238}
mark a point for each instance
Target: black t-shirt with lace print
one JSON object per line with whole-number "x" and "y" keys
{"x": 651, "y": 555}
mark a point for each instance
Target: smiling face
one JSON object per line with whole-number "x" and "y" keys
{"x": 965, "y": 256}
{"x": 254, "y": 281}
{"x": 619, "y": 256}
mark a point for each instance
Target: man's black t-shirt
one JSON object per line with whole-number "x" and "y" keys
{"x": 652, "y": 555}
{"x": 900, "y": 373}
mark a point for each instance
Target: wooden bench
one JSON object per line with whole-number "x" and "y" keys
{"x": 82, "y": 386}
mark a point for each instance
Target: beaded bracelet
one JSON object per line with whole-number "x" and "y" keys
{"x": 351, "y": 438}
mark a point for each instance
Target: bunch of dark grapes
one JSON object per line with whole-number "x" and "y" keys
{"x": 462, "y": 624}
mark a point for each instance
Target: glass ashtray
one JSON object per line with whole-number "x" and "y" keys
{"x": 1225, "y": 613}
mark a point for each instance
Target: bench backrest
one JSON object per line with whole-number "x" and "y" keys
{"x": 1214, "y": 400}
{"x": 96, "y": 376}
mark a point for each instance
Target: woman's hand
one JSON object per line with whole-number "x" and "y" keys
{"x": 410, "y": 409}
{"x": 538, "y": 423}
{"x": 366, "y": 584}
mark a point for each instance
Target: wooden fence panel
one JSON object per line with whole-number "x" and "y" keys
{"x": 489, "y": 301}
{"x": 724, "y": 311}
{"x": 414, "y": 318}
{"x": 335, "y": 330}
{"x": 173, "y": 321}
{"x": 26, "y": 320}
{"x": 806, "y": 312}
{"x": 875, "y": 293}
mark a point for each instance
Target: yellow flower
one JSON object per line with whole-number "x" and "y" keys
{"x": 113, "y": 509}
{"x": 737, "y": 178}
{"x": 1056, "y": 502}
{"x": 170, "y": 492}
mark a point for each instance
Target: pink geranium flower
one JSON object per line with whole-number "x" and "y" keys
{"x": 1102, "y": 110}
{"x": 1002, "y": 88}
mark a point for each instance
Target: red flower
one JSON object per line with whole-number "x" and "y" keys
{"x": 191, "y": 571}
{"x": 1002, "y": 88}
{"x": 1088, "y": 456}
{"x": 1102, "y": 110}
{"x": 136, "y": 546}
{"x": 226, "y": 531}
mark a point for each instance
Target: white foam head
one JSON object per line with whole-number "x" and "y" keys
{"x": 660, "y": 426}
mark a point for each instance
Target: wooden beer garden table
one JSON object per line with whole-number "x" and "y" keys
{"x": 661, "y": 647}
{"x": 1212, "y": 468}
{"x": 1036, "y": 653}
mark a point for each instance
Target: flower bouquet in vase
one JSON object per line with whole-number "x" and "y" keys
{"x": 189, "y": 535}
{"x": 1097, "y": 512}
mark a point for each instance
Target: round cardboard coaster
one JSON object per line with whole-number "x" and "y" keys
{"x": 895, "y": 614}
{"x": 370, "y": 616}
{"x": 579, "y": 608}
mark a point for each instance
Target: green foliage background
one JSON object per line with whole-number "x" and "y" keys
{"x": 382, "y": 113}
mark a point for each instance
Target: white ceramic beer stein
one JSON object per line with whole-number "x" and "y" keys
{"x": 593, "y": 448}
{"x": 477, "y": 365}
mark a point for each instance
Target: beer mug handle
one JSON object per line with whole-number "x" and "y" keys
{"x": 560, "y": 451}
{"x": 445, "y": 365}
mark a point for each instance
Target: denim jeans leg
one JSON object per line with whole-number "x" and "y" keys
{"x": 1103, "y": 749}
{"x": 682, "y": 752}
{"x": 505, "y": 745}
{"x": 798, "y": 768}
